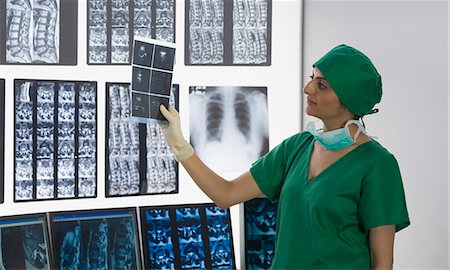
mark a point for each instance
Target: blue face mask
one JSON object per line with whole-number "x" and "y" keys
{"x": 336, "y": 139}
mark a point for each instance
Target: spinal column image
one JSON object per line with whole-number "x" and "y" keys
{"x": 229, "y": 125}
{"x": 222, "y": 32}
{"x": 24, "y": 242}
{"x": 187, "y": 237}
{"x": 260, "y": 227}
{"x": 113, "y": 24}
{"x": 103, "y": 239}
{"x": 139, "y": 161}
{"x": 56, "y": 141}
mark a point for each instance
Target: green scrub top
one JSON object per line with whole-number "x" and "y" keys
{"x": 324, "y": 223}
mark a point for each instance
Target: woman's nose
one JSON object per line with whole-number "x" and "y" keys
{"x": 308, "y": 89}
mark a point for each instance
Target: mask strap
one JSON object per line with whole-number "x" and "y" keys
{"x": 360, "y": 128}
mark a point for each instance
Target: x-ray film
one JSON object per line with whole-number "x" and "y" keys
{"x": 95, "y": 239}
{"x": 260, "y": 228}
{"x": 114, "y": 24}
{"x": 151, "y": 81}
{"x": 187, "y": 237}
{"x": 139, "y": 161}
{"x": 39, "y": 32}
{"x": 56, "y": 139}
{"x": 2, "y": 138}
{"x": 24, "y": 242}
{"x": 222, "y": 32}
{"x": 232, "y": 121}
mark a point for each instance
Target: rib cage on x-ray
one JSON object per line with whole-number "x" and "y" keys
{"x": 229, "y": 125}
{"x": 32, "y": 28}
{"x": 128, "y": 173}
{"x": 113, "y": 24}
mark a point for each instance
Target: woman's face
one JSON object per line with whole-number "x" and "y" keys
{"x": 321, "y": 100}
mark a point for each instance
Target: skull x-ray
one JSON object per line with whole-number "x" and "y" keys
{"x": 151, "y": 81}
{"x": 2, "y": 138}
{"x": 56, "y": 139}
{"x": 187, "y": 237}
{"x": 39, "y": 32}
{"x": 222, "y": 32}
{"x": 139, "y": 161}
{"x": 113, "y": 24}
{"x": 97, "y": 239}
{"x": 229, "y": 125}
{"x": 24, "y": 242}
{"x": 260, "y": 227}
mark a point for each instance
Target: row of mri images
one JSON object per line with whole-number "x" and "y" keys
{"x": 87, "y": 179}
{"x": 195, "y": 236}
{"x": 218, "y": 32}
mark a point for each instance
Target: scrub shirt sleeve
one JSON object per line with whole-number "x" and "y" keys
{"x": 268, "y": 172}
{"x": 382, "y": 196}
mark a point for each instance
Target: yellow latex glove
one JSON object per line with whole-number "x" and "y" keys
{"x": 174, "y": 137}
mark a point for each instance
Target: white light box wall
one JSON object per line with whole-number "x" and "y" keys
{"x": 271, "y": 86}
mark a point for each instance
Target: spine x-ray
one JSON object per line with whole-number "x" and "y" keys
{"x": 2, "y": 138}
{"x": 229, "y": 125}
{"x": 222, "y": 32}
{"x": 260, "y": 227}
{"x": 187, "y": 237}
{"x": 24, "y": 243}
{"x": 56, "y": 139}
{"x": 113, "y": 24}
{"x": 151, "y": 82}
{"x": 38, "y": 32}
{"x": 95, "y": 240}
{"x": 139, "y": 161}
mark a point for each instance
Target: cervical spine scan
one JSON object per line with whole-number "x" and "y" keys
{"x": 229, "y": 124}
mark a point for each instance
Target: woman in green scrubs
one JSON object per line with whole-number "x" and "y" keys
{"x": 339, "y": 192}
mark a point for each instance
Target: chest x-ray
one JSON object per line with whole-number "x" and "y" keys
{"x": 113, "y": 24}
{"x": 229, "y": 125}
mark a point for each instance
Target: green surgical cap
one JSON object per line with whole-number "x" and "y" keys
{"x": 353, "y": 77}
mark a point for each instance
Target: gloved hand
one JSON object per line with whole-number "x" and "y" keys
{"x": 174, "y": 137}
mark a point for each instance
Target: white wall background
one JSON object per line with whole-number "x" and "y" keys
{"x": 282, "y": 80}
{"x": 408, "y": 41}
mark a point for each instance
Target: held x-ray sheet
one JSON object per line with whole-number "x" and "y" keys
{"x": 151, "y": 81}
{"x": 139, "y": 161}
{"x": 187, "y": 237}
{"x": 95, "y": 239}
{"x": 55, "y": 124}
{"x": 38, "y": 32}
{"x": 113, "y": 24}
{"x": 260, "y": 227}
{"x": 229, "y": 127}
{"x": 24, "y": 242}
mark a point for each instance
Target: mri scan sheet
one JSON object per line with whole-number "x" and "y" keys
{"x": 56, "y": 139}
{"x": 187, "y": 237}
{"x": 139, "y": 161}
{"x": 24, "y": 242}
{"x": 222, "y": 32}
{"x": 260, "y": 226}
{"x": 113, "y": 24}
{"x": 229, "y": 126}
{"x": 151, "y": 81}
{"x": 96, "y": 239}
{"x": 39, "y": 32}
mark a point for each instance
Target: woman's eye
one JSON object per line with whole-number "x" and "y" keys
{"x": 322, "y": 86}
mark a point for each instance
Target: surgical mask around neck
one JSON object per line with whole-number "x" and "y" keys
{"x": 336, "y": 139}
